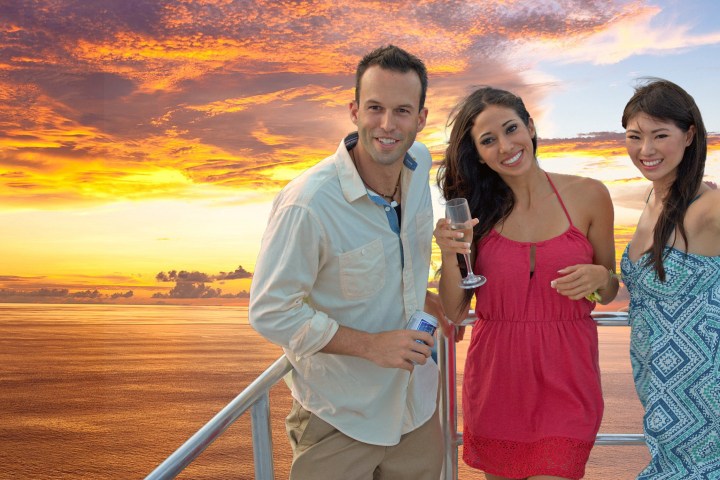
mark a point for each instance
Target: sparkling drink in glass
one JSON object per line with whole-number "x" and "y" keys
{"x": 457, "y": 211}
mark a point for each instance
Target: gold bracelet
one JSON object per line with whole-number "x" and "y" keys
{"x": 595, "y": 296}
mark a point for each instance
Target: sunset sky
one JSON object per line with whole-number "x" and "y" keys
{"x": 140, "y": 138}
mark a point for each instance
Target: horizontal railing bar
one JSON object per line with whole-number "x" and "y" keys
{"x": 611, "y": 319}
{"x": 602, "y": 319}
{"x": 620, "y": 439}
{"x": 600, "y": 439}
{"x": 196, "y": 444}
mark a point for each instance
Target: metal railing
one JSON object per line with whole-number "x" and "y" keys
{"x": 256, "y": 398}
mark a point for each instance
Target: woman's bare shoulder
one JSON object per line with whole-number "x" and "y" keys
{"x": 709, "y": 203}
{"x": 579, "y": 187}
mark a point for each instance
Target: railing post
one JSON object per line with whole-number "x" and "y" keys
{"x": 448, "y": 403}
{"x": 195, "y": 445}
{"x": 262, "y": 438}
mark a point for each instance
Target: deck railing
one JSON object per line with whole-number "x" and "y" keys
{"x": 256, "y": 398}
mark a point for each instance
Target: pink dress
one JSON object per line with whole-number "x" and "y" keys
{"x": 532, "y": 399}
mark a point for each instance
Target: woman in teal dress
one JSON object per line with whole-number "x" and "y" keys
{"x": 672, "y": 271}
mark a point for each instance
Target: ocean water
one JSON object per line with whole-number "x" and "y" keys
{"x": 109, "y": 391}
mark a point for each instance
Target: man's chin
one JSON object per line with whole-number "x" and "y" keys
{"x": 390, "y": 157}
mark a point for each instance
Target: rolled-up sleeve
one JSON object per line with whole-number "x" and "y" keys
{"x": 285, "y": 272}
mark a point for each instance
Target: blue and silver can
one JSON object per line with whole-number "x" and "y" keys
{"x": 423, "y": 322}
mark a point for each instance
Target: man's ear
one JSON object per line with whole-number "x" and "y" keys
{"x": 422, "y": 119}
{"x": 354, "y": 111}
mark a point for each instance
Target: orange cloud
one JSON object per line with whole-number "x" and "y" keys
{"x": 605, "y": 144}
{"x": 182, "y": 99}
{"x": 312, "y": 93}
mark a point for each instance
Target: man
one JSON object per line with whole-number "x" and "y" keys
{"x": 343, "y": 265}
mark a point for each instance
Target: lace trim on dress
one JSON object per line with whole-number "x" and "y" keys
{"x": 558, "y": 456}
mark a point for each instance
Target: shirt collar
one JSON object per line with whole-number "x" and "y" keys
{"x": 350, "y": 181}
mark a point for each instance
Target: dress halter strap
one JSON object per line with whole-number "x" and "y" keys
{"x": 691, "y": 201}
{"x": 559, "y": 198}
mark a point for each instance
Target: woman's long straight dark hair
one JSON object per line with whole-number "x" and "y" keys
{"x": 666, "y": 101}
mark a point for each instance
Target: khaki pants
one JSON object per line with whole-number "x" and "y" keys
{"x": 321, "y": 451}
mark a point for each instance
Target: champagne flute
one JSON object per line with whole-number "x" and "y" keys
{"x": 457, "y": 211}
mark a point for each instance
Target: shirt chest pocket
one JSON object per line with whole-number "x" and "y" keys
{"x": 362, "y": 271}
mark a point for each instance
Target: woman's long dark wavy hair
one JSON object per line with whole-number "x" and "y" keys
{"x": 666, "y": 101}
{"x": 461, "y": 174}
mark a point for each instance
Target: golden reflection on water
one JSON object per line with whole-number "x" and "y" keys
{"x": 108, "y": 392}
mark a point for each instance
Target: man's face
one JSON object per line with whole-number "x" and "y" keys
{"x": 388, "y": 114}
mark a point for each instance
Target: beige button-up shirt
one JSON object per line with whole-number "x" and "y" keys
{"x": 331, "y": 255}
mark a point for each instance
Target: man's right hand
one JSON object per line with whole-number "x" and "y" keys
{"x": 400, "y": 349}
{"x": 391, "y": 349}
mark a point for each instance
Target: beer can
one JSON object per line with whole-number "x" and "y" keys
{"x": 423, "y": 322}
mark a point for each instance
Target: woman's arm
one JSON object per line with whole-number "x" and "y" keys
{"x": 451, "y": 295}
{"x": 704, "y": 228}
{"x": 578, "y": 281}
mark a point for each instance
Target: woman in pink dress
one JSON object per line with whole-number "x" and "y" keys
{"x": 532, "y": 399}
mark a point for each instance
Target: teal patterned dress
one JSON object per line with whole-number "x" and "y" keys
{"x": 676, "y": 363}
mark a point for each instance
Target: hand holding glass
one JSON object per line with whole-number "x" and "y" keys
{"x": 458, "y": 212}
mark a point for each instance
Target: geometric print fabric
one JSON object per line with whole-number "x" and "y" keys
{"x": 676, "y": 363}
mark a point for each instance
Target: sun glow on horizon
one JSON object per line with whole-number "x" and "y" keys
{"x": 149, "y": 139}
